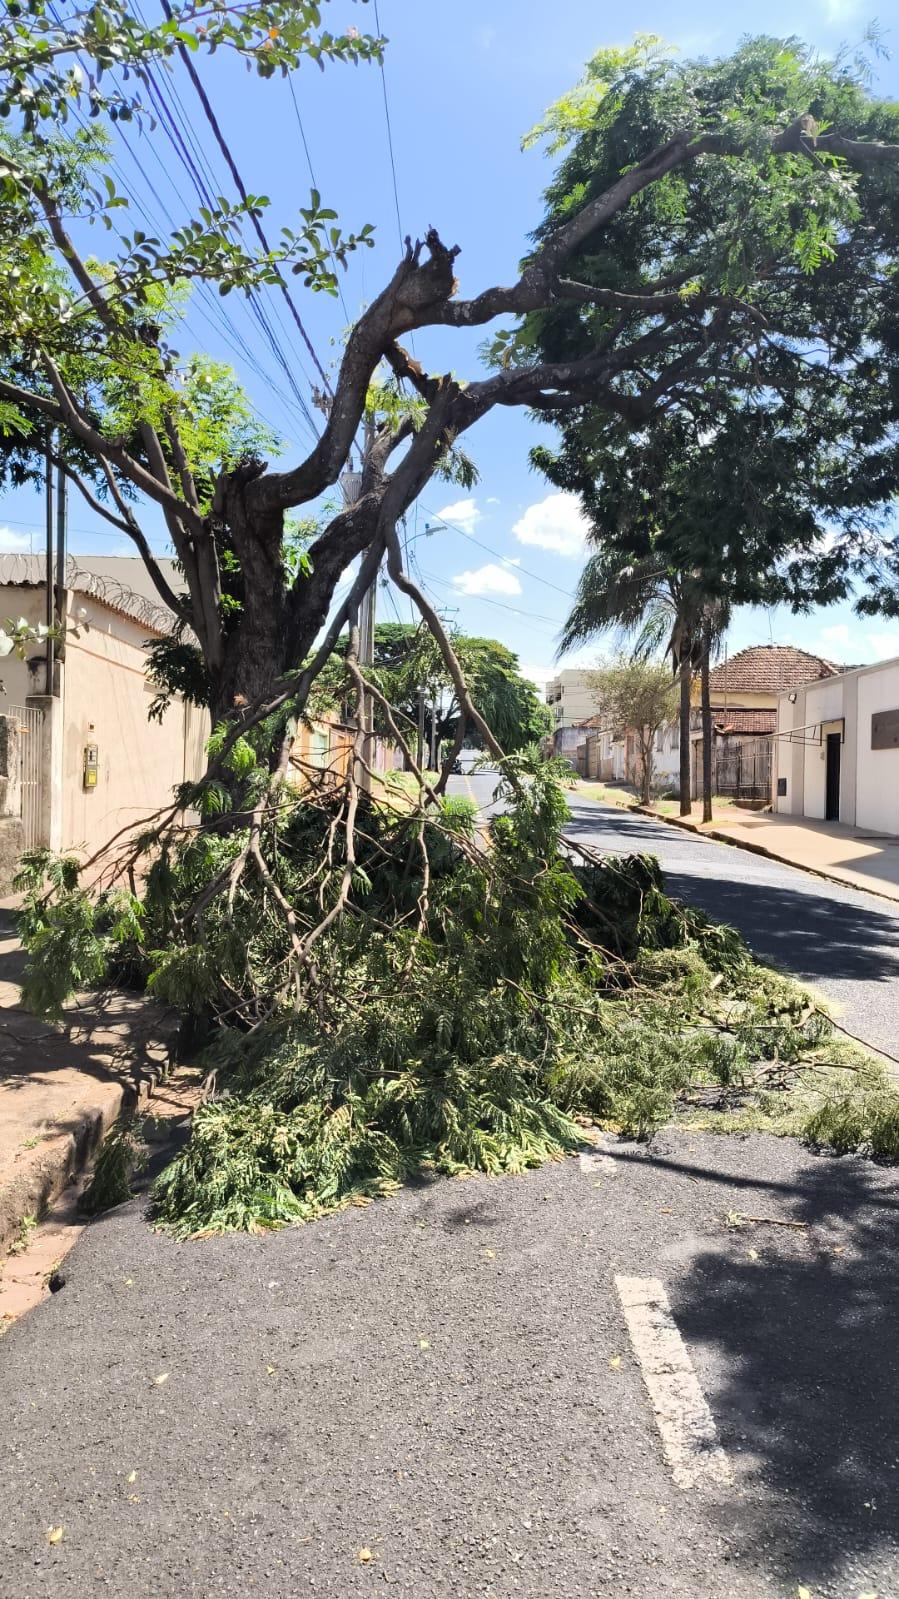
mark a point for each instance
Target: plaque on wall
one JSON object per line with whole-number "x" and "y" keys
{"x": 885, "y": 730}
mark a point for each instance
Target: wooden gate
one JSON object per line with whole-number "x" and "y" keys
{"x": 740, "y": 769}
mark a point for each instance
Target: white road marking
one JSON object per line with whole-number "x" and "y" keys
{"x": 682, "y": 1415}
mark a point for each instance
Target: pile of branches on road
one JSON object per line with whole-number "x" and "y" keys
{"x": 379, "y": 991}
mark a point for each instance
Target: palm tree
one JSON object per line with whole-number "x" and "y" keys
{"x": 658, "y": 608}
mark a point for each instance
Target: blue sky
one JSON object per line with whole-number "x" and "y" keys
{"x": 463, "y": 83}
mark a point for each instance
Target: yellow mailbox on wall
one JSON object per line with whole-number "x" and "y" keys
{"x": 91, "y": 765}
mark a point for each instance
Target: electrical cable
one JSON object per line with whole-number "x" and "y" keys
{"x": 396, "y": 197}
{"x": 241, "y": 189}
{"x": 471, "y": 538}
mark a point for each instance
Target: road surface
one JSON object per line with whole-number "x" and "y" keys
{"x": 441, "y": 1395}
{"x": 844, "y": 942}
{"x": 667, "y": 1372}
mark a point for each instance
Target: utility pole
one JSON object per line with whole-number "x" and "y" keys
{"x": 48, "y": 569}
{"x": 62, "y": 498}
{"x": 433, "y": 734}
{"x": 420, "y": 757}
{"x": 351, "y": 487}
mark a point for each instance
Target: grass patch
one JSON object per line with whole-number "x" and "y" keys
{"x": 626, "y": 799}
{"x": 23, "y": 1236}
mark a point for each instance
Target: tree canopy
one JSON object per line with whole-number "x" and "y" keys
{"x": 795, "y": 434}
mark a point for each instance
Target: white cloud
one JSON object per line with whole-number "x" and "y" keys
{"x": 492, "y": 499}
{"x": 556, "y": 523}
{"x": 883, "y": 646}
{"x": 489, "y": 579}
{"x": 463, "y": 514}
{"x": 841, "y": 10}
{"x": 539, "y": 675}
{"x": 839, "y": 635}
{"x": 13, "y": 543}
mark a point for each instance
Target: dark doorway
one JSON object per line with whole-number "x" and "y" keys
{"x": 832, "y": 779}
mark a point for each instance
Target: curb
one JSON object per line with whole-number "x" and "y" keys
{"x": 699, "y": 831}
{"x": 61, "y": 1157}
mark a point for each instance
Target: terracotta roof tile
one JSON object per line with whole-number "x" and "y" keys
{"x": 770, "y": 669}
{"x": 740, "y": 721}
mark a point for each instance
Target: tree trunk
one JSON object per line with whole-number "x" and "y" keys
{"x": 706, "y": 721}
{"x": 257, "y": 648}
{"x": 646, "y": 774}
{"x": 686, "y": 685}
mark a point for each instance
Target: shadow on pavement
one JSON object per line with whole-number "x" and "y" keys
{"x": 806, "y": 930}
{"x": 801, "y": 1368}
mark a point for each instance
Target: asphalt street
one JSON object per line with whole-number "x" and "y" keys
{"x": 449, "y": 1392}
{"x": 843, "y": 942}
{"x": 437, "y": 1395}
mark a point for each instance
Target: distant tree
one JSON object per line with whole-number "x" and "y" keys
{"x": 640, "y": 695}
{"x": 657, "y": 607}
{"x": 408, "y": 662}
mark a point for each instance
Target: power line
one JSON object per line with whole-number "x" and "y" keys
{"x": 473, "y": 539}
{"x": 226, "y": 327}
{"x": 241, "y": 189}
{"x": 396, "y": 196}
{"x": 531, "y": 616}
{"x": 173, "y": 133}
{"x": 296, "y": 107}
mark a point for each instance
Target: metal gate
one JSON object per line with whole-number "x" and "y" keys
{"x": 31, "y": 735}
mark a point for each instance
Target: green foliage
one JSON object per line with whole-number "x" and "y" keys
{"x": 122, "y": 1153}
{"x": 407, "y": 658}
{"x": 74, "y": 941}
{"x": 735, "y": 489}
{"x": 865, "y": 1120}
{"x": 529, "y": 993}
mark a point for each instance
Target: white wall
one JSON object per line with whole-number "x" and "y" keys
{"x": 823, "y": 703}
{"x": 877, "y": 779}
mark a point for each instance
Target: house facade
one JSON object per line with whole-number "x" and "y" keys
{"x": 745, "y": 690}
{"x": 837, "y": 749}
{"x": 94, "y": 765}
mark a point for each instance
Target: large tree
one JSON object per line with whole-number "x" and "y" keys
{"x": 704, "y": 194}
{"x": 385, "y": 991}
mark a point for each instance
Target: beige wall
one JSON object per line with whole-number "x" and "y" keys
{"x": 104, "y": 699}
{"x": 869, "y": 779}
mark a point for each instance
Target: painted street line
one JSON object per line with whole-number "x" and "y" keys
{"x": 682, "y": 1415}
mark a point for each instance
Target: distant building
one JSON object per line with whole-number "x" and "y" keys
{"x": 744, "y": 690}
{"x": 572, "y": 702}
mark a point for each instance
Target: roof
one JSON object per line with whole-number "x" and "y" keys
{"x": 597, "y": 721}
{"x": 738, "y": 721}
{"x": 769, "y": 669}
{"x": 101, "y": 578}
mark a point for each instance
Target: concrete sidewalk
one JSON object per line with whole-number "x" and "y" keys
{"x": 850, "y": 855}
{"x": 62, "y": 1086}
